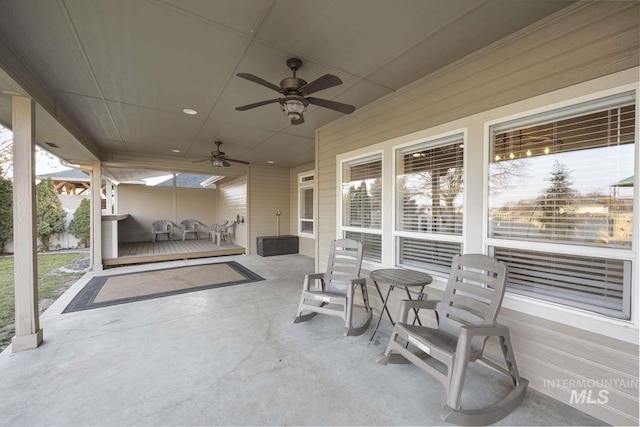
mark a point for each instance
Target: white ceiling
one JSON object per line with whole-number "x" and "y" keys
{"x": 124, "y": 69}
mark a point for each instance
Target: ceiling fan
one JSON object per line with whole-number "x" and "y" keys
{"x": 218, "y": 158}
{"x": 295, "y": 90}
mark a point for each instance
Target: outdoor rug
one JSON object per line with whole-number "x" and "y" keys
{"x": 123, "y": 288}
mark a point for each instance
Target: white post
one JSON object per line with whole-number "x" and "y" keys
{"x": 28, "y": 333}
{"x": 109, "y": 191}
{"x": 96, "y": 217}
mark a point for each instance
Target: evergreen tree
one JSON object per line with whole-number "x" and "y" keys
{"x": 49, "y": 212}
{"x": 557, "y": 201}
{"x": 80, "y": 224}
{"x": 6, "y": 211}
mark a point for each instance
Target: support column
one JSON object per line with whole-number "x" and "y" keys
{"x": 28, "y": 333}
{"x": 109, "y": 191}
{"x": 96, "y": 217}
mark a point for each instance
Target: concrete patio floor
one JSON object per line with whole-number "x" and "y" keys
{"x": 228, "y": 356}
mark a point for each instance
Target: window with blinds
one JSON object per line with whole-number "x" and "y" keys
{"x": 362, "y": 204}
{"x": 429, "y": 203}
{"x": 566, "y": 177}
{"x": 430, "y": 254}
{"x": 306, "y": 210}
{"x": 596, "y": 284}
{"x": 371, "y": 245}
{"x": 305, "y": 204}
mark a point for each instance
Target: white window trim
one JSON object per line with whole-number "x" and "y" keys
{"x": 302, "y": 185}
{"x": 340, "y": 229}
{"x": 626, "y": 330}
{"x": 476, "y": 127}
{"x": 434, "y": 138}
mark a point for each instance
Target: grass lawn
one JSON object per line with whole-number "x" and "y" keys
{"x": 51, "y": 284}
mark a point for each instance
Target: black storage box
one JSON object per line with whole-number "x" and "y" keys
{"x": 277, "y": 245}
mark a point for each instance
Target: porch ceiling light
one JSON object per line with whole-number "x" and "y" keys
{"x": 217, "y": 163}
{"x": 293, "y": 108}
{"x": 190, "y": 111}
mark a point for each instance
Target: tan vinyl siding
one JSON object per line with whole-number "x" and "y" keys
{"x": 232, "y": 201}
{"x": 146, "y": 204}
{"x": 269, "y": 189}
{"x": 554, "y": 60}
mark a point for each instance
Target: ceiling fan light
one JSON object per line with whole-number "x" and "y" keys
{"x": 293, "y": 108}
{"x": 217, "y": 163}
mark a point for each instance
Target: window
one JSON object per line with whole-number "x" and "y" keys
{"x": 429, "y": 199}
{"x": 362, "y": 204}
{"x": 562, "y": 182}
{"x": 305, "y": 205}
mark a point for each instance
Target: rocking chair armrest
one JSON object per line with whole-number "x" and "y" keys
{"x": 308, "y": 278}
{"x": 408, "y": 304}
{"x": 358, "y": 281}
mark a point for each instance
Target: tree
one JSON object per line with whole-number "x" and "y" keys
{"x": 80, "y": 224}
{"x": 6, "y": 211}
{"x": 6, "y": 152}
{"x": 49, "y": 212}
{"x": 557, "y": 200}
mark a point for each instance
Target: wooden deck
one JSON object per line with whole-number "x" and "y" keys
{"x": 140, "y": 252}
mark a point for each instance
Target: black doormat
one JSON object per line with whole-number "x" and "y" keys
{"x": 123, "y": 288}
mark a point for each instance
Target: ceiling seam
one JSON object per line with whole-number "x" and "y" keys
{"x": 363, "y": 78}
{"x": 275, "y": 46}
{"x": 428, "y": 35}
{"x": 249, "y": 40}
{"x": 76, "y": 37}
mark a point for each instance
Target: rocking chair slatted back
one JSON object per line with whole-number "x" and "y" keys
{"x": 345, "y": 260}
{"x": 474, "y": 295}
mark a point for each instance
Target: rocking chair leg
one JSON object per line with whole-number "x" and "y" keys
{"x": 304, "y": 317}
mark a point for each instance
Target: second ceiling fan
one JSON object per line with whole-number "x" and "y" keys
{"x": 296, "y": 91}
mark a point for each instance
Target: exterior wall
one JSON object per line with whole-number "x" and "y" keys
{"x": 145, "y": 204}
{"x": 307, "y": 244}
{"x": 232, "y": 201}
{"x": 559, "y": 57}
{"x": 269, "y": 189}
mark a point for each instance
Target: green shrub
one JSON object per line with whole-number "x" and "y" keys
{"x": 80, "y": 225}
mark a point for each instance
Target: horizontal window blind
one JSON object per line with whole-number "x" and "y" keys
{"x": 306, "y": 203}
{"x": 568, "y": 179}
{"x": 567, "y": 176}
{"x": 429, "y": 187}
{"x": 362, "y": 193}
{"x": 427, "y": 254}
{"x": 595, "y": 284}
{"x": 371, "y": 245}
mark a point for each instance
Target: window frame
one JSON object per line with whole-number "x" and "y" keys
{"x": 431, "y": 141}
{"x": 531, "y": 305}
{"x": 306, "y": 185}
{"x": 340, "y": 228}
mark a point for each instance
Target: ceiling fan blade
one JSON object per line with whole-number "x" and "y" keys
{"x": 225, "y": 163}
{"x": 203, "y": 160}
{"x": 299, "y": 121}
{"x": 260, "y": 81}
{"x": 332, "y": 105}
{"x": 257, "y": 104}
{"x": 321, "y": 83}
{"x": 238, "y": 161}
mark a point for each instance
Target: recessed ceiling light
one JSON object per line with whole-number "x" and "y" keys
{"x": 175, "y": 151}
{"x": 190, "y": 111}
{"x": 270, "y": 162}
